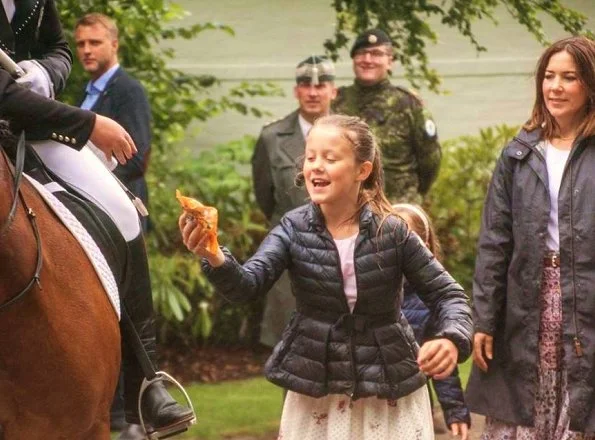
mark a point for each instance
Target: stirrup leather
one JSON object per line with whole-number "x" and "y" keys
{"x": 170, "y": 431}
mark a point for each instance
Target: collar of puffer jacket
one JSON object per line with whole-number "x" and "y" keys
{"x": 316, "y": 219}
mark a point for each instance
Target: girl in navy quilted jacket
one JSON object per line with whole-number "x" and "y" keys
{"x": 449, "y": 390}
{"x": 352, "y": 369}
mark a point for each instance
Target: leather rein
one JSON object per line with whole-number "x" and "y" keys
{"x": 18, "y": 194}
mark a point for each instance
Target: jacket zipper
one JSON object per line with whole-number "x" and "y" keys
{"x": 346, "y": 304}
{"x": 578, "y": 347}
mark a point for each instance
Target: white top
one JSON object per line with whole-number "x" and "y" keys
{"x": 9, "y": 9}
{"x": 346, "y": 248}
{"x": 304, "y": 125}
{"x": 555, "y": 160}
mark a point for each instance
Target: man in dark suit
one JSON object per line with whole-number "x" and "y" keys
{"x": 114, "y": 93}
{"x": 275, "y": 164}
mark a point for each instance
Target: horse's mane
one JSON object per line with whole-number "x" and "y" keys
{"x": 8, "y": 141}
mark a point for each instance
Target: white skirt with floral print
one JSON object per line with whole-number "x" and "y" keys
{"x": 337, "y": 417}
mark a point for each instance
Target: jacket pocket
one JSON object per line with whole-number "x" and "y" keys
{"x": 409, "y": 340}
{"x": 397, "y": 352}
{"x": 282, "y": 348}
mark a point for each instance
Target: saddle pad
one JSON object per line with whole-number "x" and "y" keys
{"x": 85, "y": 240}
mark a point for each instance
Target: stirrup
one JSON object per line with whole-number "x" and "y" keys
{"x": 168, "y": 431}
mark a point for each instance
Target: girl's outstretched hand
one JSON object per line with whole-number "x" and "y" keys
{"x": 437, "y": 358}
{"x": 195, "y": 238}
{"x": 483, "y": 350}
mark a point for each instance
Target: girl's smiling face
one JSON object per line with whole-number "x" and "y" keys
{"x": 331, "y": 173}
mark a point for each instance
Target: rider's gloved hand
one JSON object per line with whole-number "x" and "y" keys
{"x": 36, "y": 78}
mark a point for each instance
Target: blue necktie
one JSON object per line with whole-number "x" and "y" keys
{"x": 91, "y": 98}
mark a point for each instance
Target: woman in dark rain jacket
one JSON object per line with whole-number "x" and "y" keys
{"x": 533, "y": 292}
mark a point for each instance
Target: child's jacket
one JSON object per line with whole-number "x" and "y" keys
{"x": 449, "y": 391}
{"x": 325, "y": 348}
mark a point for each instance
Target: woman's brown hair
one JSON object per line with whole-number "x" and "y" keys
{"x": 582, "y": 51}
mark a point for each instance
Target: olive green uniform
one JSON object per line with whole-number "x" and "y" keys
{"x": 406, "y": 134}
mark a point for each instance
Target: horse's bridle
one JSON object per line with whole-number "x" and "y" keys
{"x": 18, "y": 194}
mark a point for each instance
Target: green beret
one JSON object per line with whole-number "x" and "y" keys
{"x": 370, "y": 38}
{"x": 315, "y": 69}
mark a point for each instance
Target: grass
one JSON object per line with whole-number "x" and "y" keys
{"x": 251, "y": 406}
{"x": 243, "y": 407}
{"x": 464, "y": 371}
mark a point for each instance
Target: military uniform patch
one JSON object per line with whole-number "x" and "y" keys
{"x": 430, "y": 128}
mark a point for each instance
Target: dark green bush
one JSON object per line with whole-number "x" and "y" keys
{"x": 183, "y": 298}
{"x": 456, "y": 199}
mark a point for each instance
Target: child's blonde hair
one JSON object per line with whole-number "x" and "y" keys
{"x": 419, "y": 221}
{"x": 365, "y": 148}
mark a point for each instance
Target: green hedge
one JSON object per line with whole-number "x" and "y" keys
{"x": 456, "y": 199}
{"x": 184, "y": 300}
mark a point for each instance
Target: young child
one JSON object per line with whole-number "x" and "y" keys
{"x": 350, "y": 367}
{"x": 449, "y": 390}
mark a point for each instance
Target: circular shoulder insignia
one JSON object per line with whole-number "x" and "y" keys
{"x": 430, "y": 128}
{"x": 372, "y": 39}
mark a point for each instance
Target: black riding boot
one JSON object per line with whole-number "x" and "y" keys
{"x": 159, "y": 409}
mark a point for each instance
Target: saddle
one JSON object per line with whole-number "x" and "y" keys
{"x": 98, "y": 224}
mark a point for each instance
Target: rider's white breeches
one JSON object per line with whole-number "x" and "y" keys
{"x": 85, "y": 172}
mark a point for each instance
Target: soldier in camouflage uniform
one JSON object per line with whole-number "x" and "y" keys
{"x": 404, "y": 129}
{"x": 275, "y": 164}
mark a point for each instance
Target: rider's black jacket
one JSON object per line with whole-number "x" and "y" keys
{"x": 35, "y": 33}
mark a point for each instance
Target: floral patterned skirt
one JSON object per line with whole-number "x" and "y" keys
{"x": 551, "y": 399}
{"x": 337, "y": 417}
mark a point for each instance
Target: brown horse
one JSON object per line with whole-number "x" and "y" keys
{"x": 60, "y": 342}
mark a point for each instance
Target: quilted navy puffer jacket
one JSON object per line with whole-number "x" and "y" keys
{"x": 325, "y": 348}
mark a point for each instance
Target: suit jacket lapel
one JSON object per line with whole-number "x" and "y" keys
{"x": 291, "y": 139}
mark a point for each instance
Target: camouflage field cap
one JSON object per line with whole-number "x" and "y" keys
{"x": 315, "y": 69}
{"x": 370, "y": 38}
